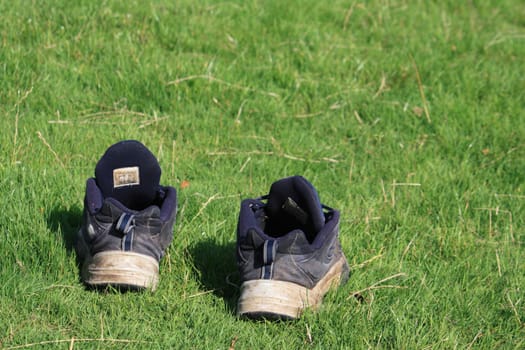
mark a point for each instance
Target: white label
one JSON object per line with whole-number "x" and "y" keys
{"x": 126, "y": 177}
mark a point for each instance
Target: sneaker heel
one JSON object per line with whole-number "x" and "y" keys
{"x": 275, "y": 299}
{"x": 121, "y": 270}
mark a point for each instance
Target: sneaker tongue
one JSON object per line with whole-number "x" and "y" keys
{"x": 293, "y": 203}
{"x": 130, "y": 173}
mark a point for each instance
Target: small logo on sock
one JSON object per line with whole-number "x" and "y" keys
{"x": 126, "y": 177}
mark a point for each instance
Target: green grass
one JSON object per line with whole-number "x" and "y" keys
{"x": 429, "y": 174}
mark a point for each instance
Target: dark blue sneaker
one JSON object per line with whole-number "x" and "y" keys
{"x": 288, "y": 251}
{"x": 127, "y": 221}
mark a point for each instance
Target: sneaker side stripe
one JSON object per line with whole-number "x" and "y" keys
{"x": 127, "y": 242}
{"x": 124, "y": 223}
{"x": 269, "y": 251}
{"x": 125, "y": 226}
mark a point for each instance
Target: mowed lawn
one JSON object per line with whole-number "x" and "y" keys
{"x": 408, "y": 116}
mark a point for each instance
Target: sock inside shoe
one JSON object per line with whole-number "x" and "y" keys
{"x": 130, "y": 173}
{"x": 293, "y": 203}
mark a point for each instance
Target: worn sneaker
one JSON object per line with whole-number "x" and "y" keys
{"x": 127, "y": 221}
{"x": 288, "y": 251}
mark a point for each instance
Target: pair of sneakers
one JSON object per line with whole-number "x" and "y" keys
{"x": 288, "y": 251}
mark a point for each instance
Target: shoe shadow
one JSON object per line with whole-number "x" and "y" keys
{"x": 217, "y": 270}
{"x": 65, "y": 222}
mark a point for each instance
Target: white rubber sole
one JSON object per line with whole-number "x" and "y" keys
{"x": 121, "y": 270}
{"x": 285, "y": 300}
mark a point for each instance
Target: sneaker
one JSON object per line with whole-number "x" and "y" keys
{"x": 127, "y": 221}
{"x": 288, "y": 251}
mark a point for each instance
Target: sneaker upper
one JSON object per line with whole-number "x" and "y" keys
{"x": 125, "y": 208}
{"x": 288, "y": 235}
{"x": 110, "y": 225}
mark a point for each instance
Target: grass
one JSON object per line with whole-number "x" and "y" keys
{"x": 408, "y": 116}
